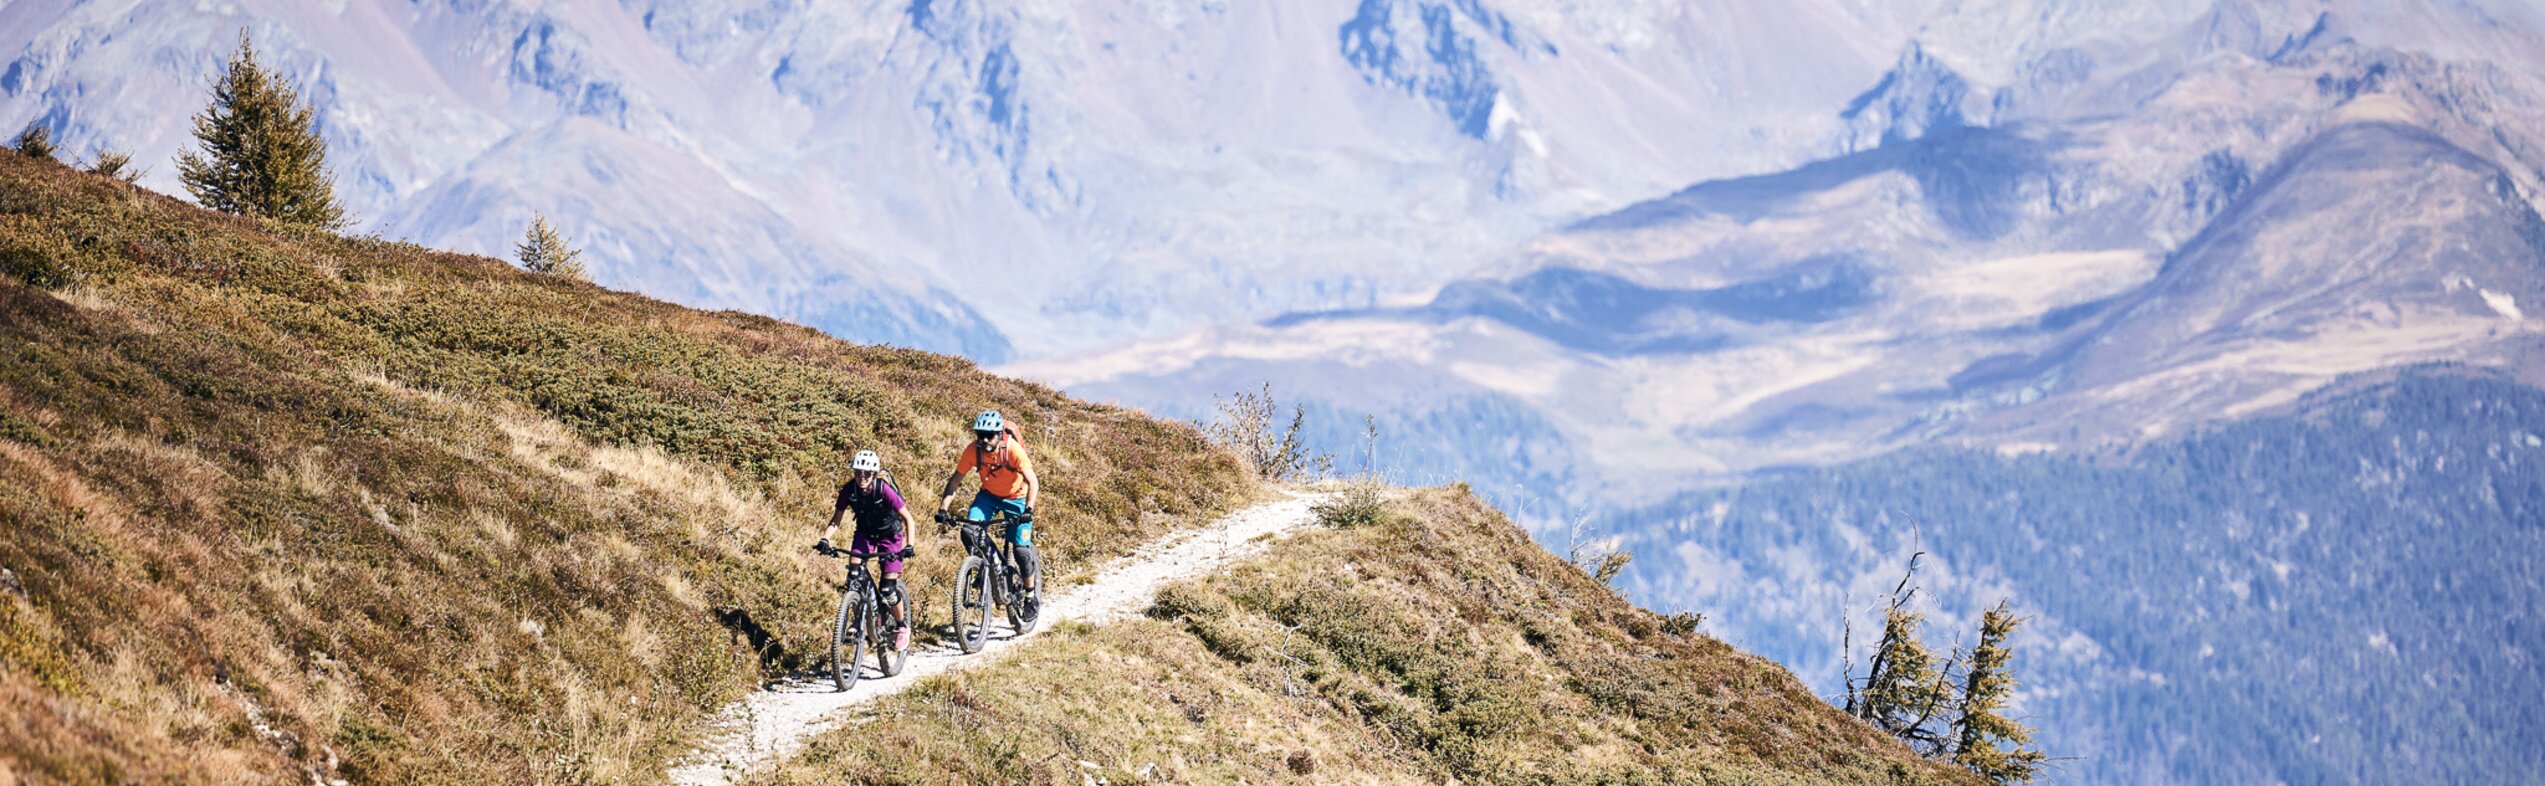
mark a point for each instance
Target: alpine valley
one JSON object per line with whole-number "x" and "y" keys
{"x": 2197, "y": 328}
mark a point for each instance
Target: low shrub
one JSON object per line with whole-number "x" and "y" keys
{"x": 1360, "y": 503}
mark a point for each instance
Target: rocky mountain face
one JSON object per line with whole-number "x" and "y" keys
{"x": 2205, "y": 229}
{"x": 1003, "y": 180}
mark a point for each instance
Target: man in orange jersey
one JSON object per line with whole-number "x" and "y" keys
{"x": 1008, "y": 485}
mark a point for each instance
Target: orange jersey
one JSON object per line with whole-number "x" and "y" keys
{"x": 1002, "y": 471}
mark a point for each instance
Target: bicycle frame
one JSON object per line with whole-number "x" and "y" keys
{"x": 993, "y": 550}
{"x": 989, "y": 568}
{"x": 862, "y": 606}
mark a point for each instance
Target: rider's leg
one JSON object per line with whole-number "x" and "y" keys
{"x": 889, "y": 590}
{"x": 1028, "y": 561}
{"x": 984, "y": 504}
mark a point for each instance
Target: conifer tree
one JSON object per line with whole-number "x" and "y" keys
{"x": 34, "y": 142}
{"x": 542, "y": 250}
{"x": 1905, "y": 688}
{"x": 1905, "y": 693}
{"x": 261, "y": 155}
{"x": 1986, "y": 741}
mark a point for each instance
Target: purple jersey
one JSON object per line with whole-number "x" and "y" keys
{"x": 878, "y": 510}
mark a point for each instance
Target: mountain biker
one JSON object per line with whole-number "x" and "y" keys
{"x": 883, "y": 527}
{"x": 1008, "y": 484}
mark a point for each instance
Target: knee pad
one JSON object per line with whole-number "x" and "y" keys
{"x": 888, "y": 591}
{"x": 1027, "y": 560}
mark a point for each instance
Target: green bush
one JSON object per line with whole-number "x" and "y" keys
{"x": 1188, "y": 601}
{"x": 1361, "y": 503}
{"x": 34, "y": 142}
{"x": 115, "y": 164}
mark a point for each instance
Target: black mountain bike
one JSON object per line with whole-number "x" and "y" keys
{"x": 989, "y": 578}
{"x": 863, "y": 620}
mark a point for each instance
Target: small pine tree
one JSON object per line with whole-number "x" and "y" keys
{"x": 1905, "y": 688}
{"x": 262, "y": 155}
{"x": 542, "y": 250}
{"x": 34, "y": 142}
{"x": 1986, "y": 741}
{"x": 1905, "y": 694}
{"x": 1904, "y": 691}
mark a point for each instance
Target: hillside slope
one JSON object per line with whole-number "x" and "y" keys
{"x": 280, "y": 506}
{"x": 284, "y": 506}
{"x": 1437, "y": 645}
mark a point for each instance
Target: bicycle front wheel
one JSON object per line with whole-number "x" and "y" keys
{"x": 848, "y": 639}
{"x": 972, "y": 605}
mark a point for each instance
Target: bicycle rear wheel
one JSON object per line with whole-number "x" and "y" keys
{"x": 848, "y": 639}
{"x": 972, "y": 605}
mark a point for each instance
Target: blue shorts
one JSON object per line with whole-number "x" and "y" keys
{"x": 986, "y": 505}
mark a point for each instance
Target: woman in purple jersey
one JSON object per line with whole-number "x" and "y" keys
{"x": 883, "y": 527}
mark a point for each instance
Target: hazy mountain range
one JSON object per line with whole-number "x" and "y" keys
{"x": 2101, "y": 268}
{"x": 1608, "y": 261}
{"x": 2232, "y": 215}
{"x": 1004, "y": 179}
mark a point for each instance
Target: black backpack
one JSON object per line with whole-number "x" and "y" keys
{"x": 892, "y": 523}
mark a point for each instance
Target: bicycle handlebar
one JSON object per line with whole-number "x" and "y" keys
{"x": 906, "y": 552}
{"x": 949, "y": 519}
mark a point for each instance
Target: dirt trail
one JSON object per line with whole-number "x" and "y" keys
{"x": 772, "y": 724}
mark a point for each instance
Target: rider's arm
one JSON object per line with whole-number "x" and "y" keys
{"x": 962, "y": 465}
{"x": 952, "y": 481}
{"x": 1033, "y": 487}
{"x": 837, "y": 508}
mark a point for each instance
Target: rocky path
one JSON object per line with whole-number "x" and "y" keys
{"x": 774, "y": 723}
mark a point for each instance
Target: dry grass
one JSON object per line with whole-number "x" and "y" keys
{"x": 1437, "y": 643}
{"x": 295, "y": 506}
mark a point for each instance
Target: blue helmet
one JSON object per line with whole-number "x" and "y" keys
{"x": 989, "y": 421}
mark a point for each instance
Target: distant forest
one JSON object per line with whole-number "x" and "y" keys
{"x": 2348, "y": 594}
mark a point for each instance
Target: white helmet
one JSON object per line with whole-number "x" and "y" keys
{"x": 866, "y": 461}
